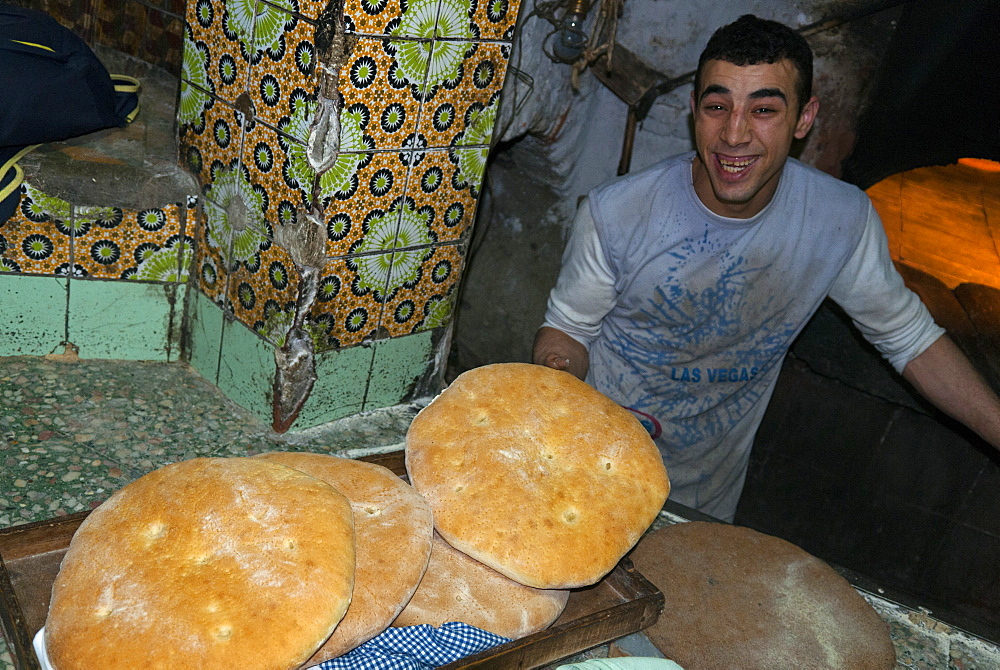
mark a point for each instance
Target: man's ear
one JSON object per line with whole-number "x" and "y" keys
{"x": 693, "y": 104}
{"x": 806, "y": 118}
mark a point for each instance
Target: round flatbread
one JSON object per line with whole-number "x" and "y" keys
{"x": 536, "y": 474}
{"x": 393, "y": 527}
{"x": 457, "y": 587}
{"x": 209, "y": 563}
{"x": 736, "y": 598}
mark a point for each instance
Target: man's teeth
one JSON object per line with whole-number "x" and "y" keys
{"x": 735, "y": 165}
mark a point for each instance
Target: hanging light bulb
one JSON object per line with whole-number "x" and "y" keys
{"x": 571, "y": 37}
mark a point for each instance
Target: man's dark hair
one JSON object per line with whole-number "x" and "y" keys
{"x": 750, "y": 40}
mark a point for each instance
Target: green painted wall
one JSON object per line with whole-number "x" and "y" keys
{"x": 204, "y": 335}
{"x": 341, "y": 384}
{"x": 246, "y": 369}
{"x": 32, "y": 314}
{"x": 123, "y": 320}
{"x": 398, "y": 364}
{"x": 129, "y": 320}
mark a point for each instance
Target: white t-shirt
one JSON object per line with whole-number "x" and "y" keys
{"x": 687, "y": 315}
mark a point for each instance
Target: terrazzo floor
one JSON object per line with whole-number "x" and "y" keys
{"x": 74, "y": 432}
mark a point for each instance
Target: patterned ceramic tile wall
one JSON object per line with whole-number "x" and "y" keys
{"x": 49, "y": 236}
{"x": 418, "y": 98}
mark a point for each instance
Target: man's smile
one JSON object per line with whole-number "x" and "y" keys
{"x": 735, "y": 165}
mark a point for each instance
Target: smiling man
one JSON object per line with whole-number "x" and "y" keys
{"x": 684, "y": 285}
{"x": 746, "y": 117}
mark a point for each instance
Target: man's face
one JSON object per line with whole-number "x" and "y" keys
{"x": 745, "y": 118}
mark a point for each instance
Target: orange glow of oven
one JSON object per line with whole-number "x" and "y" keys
{"x": 945, "y": 220}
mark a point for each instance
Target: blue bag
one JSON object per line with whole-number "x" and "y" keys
{"x": 52, "y": 88}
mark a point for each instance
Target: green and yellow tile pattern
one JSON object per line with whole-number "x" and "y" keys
{"x": 49, "y": 236}
{"x": 417, "y": 100}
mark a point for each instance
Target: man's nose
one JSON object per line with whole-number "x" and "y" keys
{"x": 736, "y": 130}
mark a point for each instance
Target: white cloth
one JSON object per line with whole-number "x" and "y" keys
{"x": 39, "y": 644}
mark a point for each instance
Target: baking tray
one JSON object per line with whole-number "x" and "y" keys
{"x": 622, "y": 603}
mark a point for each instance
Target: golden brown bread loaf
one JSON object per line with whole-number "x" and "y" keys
{"x": 736, "y": 598}
{"x": 535, "y": 473}
{"x": 457, "y": 587}
{"x": 209, "y": 563}
{"x": 393, "y": 527}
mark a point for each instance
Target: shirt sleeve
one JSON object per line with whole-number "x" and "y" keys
{"x": 885, "y": 311}
{"x": 585, "y": 290}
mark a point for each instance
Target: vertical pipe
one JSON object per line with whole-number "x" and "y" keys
{"x": 627, "y": 142}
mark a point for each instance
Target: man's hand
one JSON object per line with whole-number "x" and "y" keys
{"x": 555, "y": 349}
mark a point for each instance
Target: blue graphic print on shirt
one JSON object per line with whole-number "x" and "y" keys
{"x": 701, "y": 301}
{"x": 690, "y": 352}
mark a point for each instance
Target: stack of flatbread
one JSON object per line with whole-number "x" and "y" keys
{"x": 393, "y": 530}
{"x": 190, "y": 565}
{"x": 535, "y": 482}
{"x": 459, "y": 588}
{"x": 538, "y": 484}
{"x": 272, "y": 562}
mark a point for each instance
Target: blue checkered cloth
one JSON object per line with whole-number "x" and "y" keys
{"x": 416, "y": 648}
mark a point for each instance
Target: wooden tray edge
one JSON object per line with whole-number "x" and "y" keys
{"x": 14, "y": 628}
{"x": 640, "y": 611}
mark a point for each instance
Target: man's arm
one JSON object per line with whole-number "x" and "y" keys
{"x": 555, "y": 349}
{"x": 583, "y": 295}
{"x": 891, "y": 317}
{"x": 945, "y": 376}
